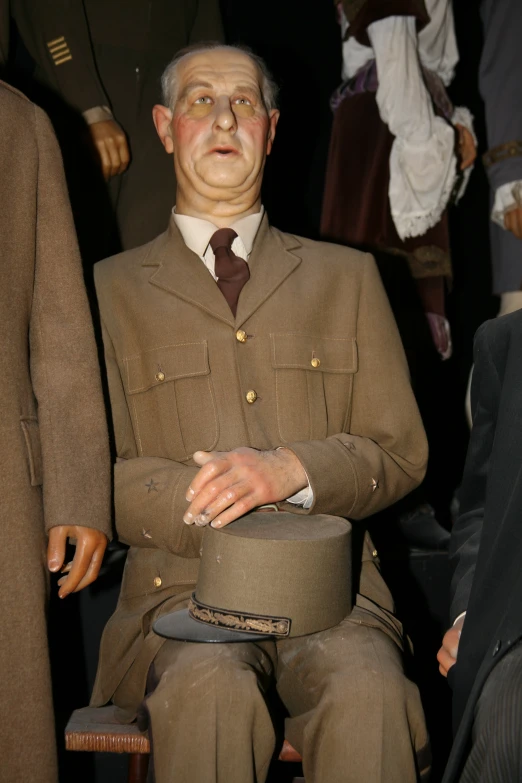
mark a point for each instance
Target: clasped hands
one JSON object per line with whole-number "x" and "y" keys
{"x": 232, "y": 483}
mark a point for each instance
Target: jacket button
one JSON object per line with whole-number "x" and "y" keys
{"x": 241, "y": 336}
{"x": 497, "y": 647}
{"x": 315, "y": 362}
{"x": 374, "y": 553}
{"x": 157, "y": 581}
{"x": 251, "y": 396}
{"x": 160, "y": 376}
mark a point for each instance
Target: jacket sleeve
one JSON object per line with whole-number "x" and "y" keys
{"x": 466, "y": 533}
{"x": 149, "y": 492}
{"x": 63, "y": 359}
{"x": 57, "y": 37}
{"x": 382, "y": 455}
{"x": 499, "y": 82}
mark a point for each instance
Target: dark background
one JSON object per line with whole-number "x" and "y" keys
{"x": 301, "y": 45}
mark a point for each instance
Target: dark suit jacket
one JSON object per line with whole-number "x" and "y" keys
{"x": 486, "y": 546}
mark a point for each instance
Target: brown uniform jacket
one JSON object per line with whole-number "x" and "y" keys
{"x": 179, "y": 371}
{"x": 55, "y": 456}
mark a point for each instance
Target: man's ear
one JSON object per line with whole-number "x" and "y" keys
{"x": 162, "y": 118}
{"x": 273, "y": 119}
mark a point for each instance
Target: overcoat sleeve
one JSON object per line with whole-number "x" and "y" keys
{"x": 466, "y": 533}
{"x": 63, "y": 358}
{"x": 149, "y": 492}
{"x": 499, "y": 81}
{"x": 56, "y": 35}
{"x": 383, "y": 453}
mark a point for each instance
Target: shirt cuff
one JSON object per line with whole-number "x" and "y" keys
{"x": 507, "y": 197}
{"x": 304, "y": 498}
{"x": 97, "y": 114}
{"x": 455, "y": 621}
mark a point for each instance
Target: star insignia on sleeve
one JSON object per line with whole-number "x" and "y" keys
{"x": 152, "y": 486}
{"x": 374, "y": 485}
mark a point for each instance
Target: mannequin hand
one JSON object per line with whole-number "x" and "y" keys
{"x": 90, "y": 547}
{"x": 447, "y": 655}
{"x": 467, "y": 149}
{"x": 112, "y": 147}
{"x": 231, "y": 483}
{"x": 513, "y": 221}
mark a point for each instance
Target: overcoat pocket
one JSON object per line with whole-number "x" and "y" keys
{"x": 171, "y": 400}
{"x": 31, "y": 431}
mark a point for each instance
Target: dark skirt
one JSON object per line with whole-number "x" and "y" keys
{"x": 356, "y": 206}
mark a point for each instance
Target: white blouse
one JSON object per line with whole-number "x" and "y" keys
{"x": 423, "y": 164}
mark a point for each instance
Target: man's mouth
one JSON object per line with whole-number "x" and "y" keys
{"x": 224, "y": 150}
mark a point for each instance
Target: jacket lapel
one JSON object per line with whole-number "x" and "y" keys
{"x": 182, "y": 273}
{"x": 270, "y": 263}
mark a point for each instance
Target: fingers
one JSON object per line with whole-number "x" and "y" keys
{"x": 229, "y": 504}
{"x": 213, "y": 464}
{"x": 90, "y": 575}
{"x": 105, "y": 159}
{"x": 467, "y": 147}
{"x": 56, "y": 547}
{"x": 114, "y": 156}
{"x": 446, "y": 661}
{"x": 513, "y": 222}
{"x": 123, "y": 151}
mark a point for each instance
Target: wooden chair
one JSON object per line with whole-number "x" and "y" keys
{"x": 96, "y": 729}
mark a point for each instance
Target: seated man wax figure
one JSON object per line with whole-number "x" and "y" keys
{"x": 225, "y": 340}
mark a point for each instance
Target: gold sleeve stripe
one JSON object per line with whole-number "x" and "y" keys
{"x": 61, "y": 53}
{"x": 63, "y": 59}
{"x": 56, "y": 41}
{"x": 58, "y": 48}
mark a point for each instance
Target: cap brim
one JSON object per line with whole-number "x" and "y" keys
{"x": 182, "y": 627}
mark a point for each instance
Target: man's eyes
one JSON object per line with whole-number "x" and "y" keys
{"x": 240, "y": 101}
{"x": 203, "y": 99}
{"x": 243, "y": 101}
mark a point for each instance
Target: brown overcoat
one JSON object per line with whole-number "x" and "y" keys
{"x": 179, "y": 368}
{"x": 55, "y": 463}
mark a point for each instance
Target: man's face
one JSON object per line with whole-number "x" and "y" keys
{"x": 221, "y": 132}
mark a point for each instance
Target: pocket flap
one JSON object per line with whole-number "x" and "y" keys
{"x": 168, "y": 363}
{"x": 306, "y": 352}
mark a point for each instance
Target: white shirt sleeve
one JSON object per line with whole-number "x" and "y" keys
{"x": 507, "y": 197}
{"x": 422, "y": 159}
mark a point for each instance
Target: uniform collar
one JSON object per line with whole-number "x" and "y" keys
{"x": 197, "y": 232}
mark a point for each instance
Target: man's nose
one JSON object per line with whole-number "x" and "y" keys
{"x": 225, "y": 119}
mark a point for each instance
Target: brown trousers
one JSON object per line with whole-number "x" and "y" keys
{"x": 353, "y": 714}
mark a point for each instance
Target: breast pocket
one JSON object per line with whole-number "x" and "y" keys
{"x": 171, "y": 400}
{"x": 313, "y": 384}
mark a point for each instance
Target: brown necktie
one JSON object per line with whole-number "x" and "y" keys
{"x": 231, "y": 271}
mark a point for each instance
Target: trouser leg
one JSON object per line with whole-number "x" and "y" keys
{"x": 496, "y": 753}
{"x": 208, "y": 719}
{"x": 354, "y": 714}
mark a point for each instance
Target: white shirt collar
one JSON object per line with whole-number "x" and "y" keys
{"x": 197, "y": 232}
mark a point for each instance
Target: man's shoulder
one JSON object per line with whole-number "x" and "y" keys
{"x": 123, "y": 264}
{"x": 326, "y": 252}
{"x": 501, "y": 331}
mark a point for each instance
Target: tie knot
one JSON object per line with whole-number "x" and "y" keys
{"x": 223, "y": 237}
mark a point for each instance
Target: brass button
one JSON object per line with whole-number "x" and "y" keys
{"x": 157, "y": 581}
{"x": 315, "y": 362}
{"x": 241, "y": 336}
{"x": 251, "y": 396}
{"x": 374, "y": 553}
{"x": 160, "y": 376}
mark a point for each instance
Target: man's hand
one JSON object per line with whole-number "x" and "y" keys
{"x": 467, "y": 149}
{"x": 111, "y": 143}
{"x": 513, "y": 221}
{"x": 447, "y": 655}
{"x": 231, "y": 483}
{"x": 90, "y": 547}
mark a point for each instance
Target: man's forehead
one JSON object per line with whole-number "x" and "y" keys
{"x": 218, "y": 66}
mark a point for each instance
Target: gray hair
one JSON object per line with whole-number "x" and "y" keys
{"x": 169, "y": 79}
